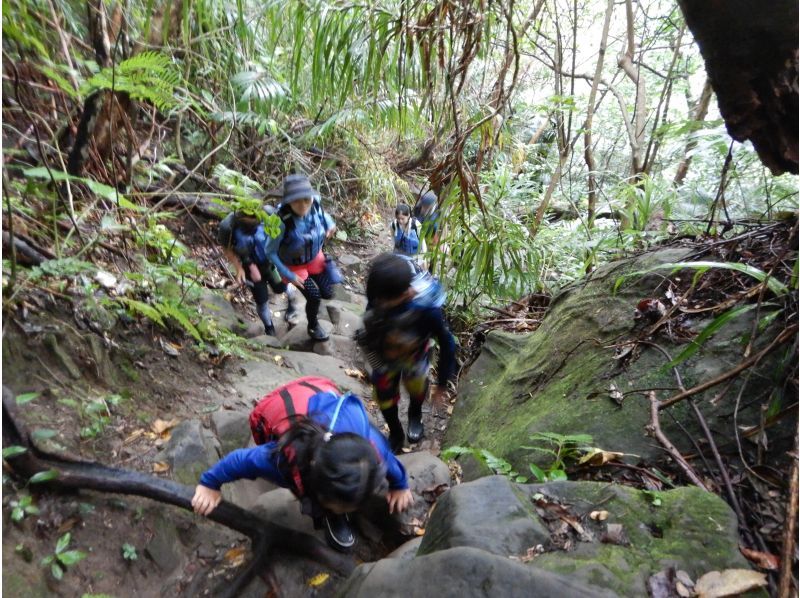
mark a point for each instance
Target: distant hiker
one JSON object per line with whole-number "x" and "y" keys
{"x": 425, "y": 211}
{"x": 297, "y": 250}
{"x": 320, "y": 444}
{"x": 244, "y": 242}
{"x": 406, "y": 234}
{"x": 404, "y": 313}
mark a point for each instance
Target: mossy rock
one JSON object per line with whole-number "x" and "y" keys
{"x": 557, "y": 379}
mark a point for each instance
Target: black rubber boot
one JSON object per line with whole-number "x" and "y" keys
{"x": 338, "y": 532}
{"x": 415, "y": 428}
{"x": 315, "y": 330}
{"x": 266, "y": 318}
{"x": 396, "y": 435}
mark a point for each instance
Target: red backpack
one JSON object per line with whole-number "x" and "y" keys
{"x": 271, "y": 416}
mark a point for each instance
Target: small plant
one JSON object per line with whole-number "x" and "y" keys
{"x": 497, "y": 464}
{"x": 129, "y": 552}
{"x": 62, "y": 558}
{"x": 98, "y": 414}
{"x": 22, "y": 507}
{"x": 562, "y": 447}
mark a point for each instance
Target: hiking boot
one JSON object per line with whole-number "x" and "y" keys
{"x": 396, "y": 442}
{"x": 415, "y": 427}
{"x": 338, "y": 532}
{"x": 317, "y": 332}
{"x": 270, "y": 330}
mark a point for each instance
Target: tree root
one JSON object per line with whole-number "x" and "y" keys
{"x": 74, "y": 474}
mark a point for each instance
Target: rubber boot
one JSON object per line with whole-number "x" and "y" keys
{"x": 396, "y": 435}
{"x": 291, "y": 316}
{"x": 415, "y": 428}
{"x": 313, "y": 301}
{"x": 266, "y": 318}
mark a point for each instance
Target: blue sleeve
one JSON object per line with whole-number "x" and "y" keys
{"x": 395, "y": 472}
{"x": 353, "y": 418}
{"x": 329, "y": 221}
{"x": 446, "y": 368}
{"x": 250, "y": 463}
{"x": 272, "y": 254}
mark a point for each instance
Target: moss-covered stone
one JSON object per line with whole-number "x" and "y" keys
{"x": 686, "y": 528}
{"x": 557, "y": 378}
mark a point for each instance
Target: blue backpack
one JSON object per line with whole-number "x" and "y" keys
{"x": 298, "y": 247}
{"x": 406, "y": 244}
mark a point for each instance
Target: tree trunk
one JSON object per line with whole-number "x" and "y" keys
{"x": 587, "y": 126}
{"x": 698, "y": 117}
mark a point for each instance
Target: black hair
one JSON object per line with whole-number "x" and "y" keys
{"x": 402, "y": 208}
{"x": 389, "y": 277}
{"x": 344, "y": 469}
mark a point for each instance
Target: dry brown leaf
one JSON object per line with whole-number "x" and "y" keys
{"x": 355, "y": 373}
{"x": 716, "y": 584}
{"x": 235, "y": 556}
{"x": 160, "y": 426}
{"x": 318, "y": 580}
{"x": 133, "y": 436}
{"x": 598, "y": 457}
{"x": 598, "y": 515}
{"x": 763, "y": 560}
{"x": 420, "y": 531}
{"x": 278, "y": 359}
{"x": 682, "y": 590}
{"x": 160, "y": 467}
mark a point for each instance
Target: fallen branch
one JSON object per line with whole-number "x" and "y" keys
{"x": 655, "y": 428}
{"x": 783, "y": 336}
{"x": 87, "y": 475}
{"x": 785, "y": 584}
{"x": 25, "y": 253}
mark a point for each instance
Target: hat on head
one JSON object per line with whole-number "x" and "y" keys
{"x": 297, "y": 186}
{"x": 428, "y": 198}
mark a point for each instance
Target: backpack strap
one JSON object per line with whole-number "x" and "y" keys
{"x": 287, "y": 402}
{"x": 316, "y": 389}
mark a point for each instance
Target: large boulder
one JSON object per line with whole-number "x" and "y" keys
{"x": 190, "y": 450}
{"x": 463, "y": 572}
{"x": 492, "y": 537}
{"x": 565, "y": 377}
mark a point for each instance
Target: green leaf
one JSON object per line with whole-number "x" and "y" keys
{"x": 774, "y": 285}
{"x": 43, "y": 476}
{"x": 101, "y": 189}
{"x": 537, "y": 472}
{"x": 71, "y": 557}
{"x": 715, "y": 325}
{"x": 43, "y": 433}
{"x": 57, "y": 570}
{"x": 17, "y": 514}
{"x": 454, "y": 451}
{"x": 557, "y": 475}
{"x": 63, "y": 542}
{"x": 13, "y": 451}
{"x": 26, "y": 397}
{"x": 143, "y": 308}
{"x": 521, "y": 479}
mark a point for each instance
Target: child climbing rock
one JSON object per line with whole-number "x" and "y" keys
{"x": 404, "y": 313}
{"x": 297, "y": 250}
{"x": 320, "y": 444}
{"x": 406, "y": 234}
{"x": 244, "y": 242}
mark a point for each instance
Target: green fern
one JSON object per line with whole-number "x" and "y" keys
{"x": 149, "y": 77}
{"x": 177, "y": 313}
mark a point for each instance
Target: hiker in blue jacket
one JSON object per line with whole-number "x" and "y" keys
{"x": 404, "y": 314}
{"x": 406, "y": 234}
{"x": 297, "y": 250}
{"x": 319, "y": 444}
{"x": 244, "y": 243}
